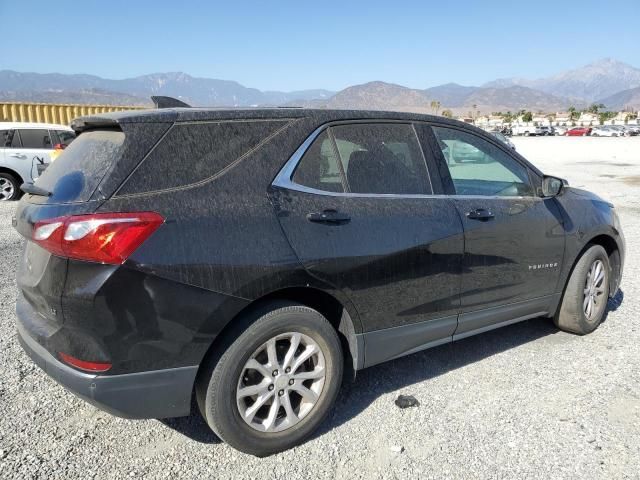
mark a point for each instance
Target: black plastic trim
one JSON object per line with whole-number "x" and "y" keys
{"x": 390, "y": 343}
{"x": 155, "y": 394}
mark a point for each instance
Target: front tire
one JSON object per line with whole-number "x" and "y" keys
{"x": 9, "y": 187}
{"x": 275, "y": 382}
{"x": 584, "y": 302}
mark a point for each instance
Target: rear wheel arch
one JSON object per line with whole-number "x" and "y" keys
{"x": 326, "y": 304}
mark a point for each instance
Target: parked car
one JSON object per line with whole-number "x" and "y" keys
{"x": 578, "y": 132}
{"x": 604, "y": 131}
{"x": 547, "y": 131}
{"x": 252, "y": 257}
{"x": 25, "y": 150}
{"x": 629, "y": 130}
{"x": 526, "y": 130}
{"x": 561, "y": 130}
{"x": 635, "y": 129}
{"x": 503, "y": 139}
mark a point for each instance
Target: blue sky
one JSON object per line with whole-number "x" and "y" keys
{"x": 289, "y": 45}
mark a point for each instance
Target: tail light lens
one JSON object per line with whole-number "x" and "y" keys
{"x": 101, "y": 237}
{"x": 60, "y": 146}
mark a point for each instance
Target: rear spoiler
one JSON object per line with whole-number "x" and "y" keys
{"x": 112, "y": 120}
{"x": 168, "y": 102}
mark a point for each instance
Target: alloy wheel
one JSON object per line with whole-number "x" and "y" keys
{"x": 594, "y": 290}
{"x": 281, "y": 382}
{"x": 7, "y": 189}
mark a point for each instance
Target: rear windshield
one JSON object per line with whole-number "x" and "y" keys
{"x": 77, "y": 172}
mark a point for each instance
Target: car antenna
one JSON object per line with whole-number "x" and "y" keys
{"x": 168, "y": 102}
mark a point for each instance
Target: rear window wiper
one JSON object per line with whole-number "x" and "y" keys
{"x": 33, "y": 190}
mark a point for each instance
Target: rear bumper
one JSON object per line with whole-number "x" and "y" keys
{"x": 155, "y": 394}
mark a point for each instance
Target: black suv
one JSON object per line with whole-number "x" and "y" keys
{"x": 246, "y": 258}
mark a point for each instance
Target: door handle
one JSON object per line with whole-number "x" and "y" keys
{"x": 481, "y": 214}
{"x": 17, "y": 155}
{"x": 329, "y": 216}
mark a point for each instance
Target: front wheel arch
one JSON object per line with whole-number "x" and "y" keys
{"x": 17, "y": 177}
{"x": 613, "y": 251}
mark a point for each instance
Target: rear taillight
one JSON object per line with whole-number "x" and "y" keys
{"x": 101, "y": 237}
{"x": 95, "y": 367}
{"x": 59, "y": 146}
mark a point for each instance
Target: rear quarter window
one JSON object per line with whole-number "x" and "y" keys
{"x": 193, "y": 152}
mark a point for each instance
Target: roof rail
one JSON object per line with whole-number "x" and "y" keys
{"x": 168, "y": 102}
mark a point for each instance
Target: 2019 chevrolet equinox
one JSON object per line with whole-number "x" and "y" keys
{"x": 248, "y": 258}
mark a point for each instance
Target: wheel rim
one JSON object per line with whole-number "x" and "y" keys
{"x": 594, "y": 290}
{"x": 6, "y": 189}
{"x": 281, "y": 382}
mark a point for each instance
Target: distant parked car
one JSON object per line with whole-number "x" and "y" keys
{"x": 25, "y": 151}
{"x": 561, "y": 130}
{"x": 578, "y": 132}
{"x": 503, "y": 139}
{"x": 547, "y": 131}
{"x": 604, "y": 131}
{"x": 630, "y": 130}
{"x": 526, "y": 130}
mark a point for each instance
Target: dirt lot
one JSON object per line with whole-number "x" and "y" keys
{"x": 526, "y": 401}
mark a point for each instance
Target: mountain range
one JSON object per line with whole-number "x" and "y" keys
{"x": 607, "y": 81}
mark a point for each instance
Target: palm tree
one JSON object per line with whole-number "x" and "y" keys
{"x": 435, "y": 105}
{"x": 573, "y": 113}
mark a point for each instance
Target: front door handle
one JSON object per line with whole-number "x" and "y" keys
{"x": 17, "y": 155}
{"x": 330, "y": 216}
{"x": 481, "y": 214}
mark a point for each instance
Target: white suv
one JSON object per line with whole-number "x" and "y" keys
{"x": 25, "y": 150}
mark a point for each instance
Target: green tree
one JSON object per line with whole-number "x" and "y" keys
{"x": 573, "y": 113}
{"x": 604, "y": 116}
{"x": 447, "y": 113}
{"x": 508, "y": 117}
{"x": 527, "y": 117}
{"x": 595, "y": 107}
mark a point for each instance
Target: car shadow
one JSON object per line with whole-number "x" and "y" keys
{"x": 373, "y": 382}
{"x": 194, "y": 426}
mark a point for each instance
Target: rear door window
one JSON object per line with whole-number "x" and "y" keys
{"x": 35, "y": 138}
{"x": 382, "y": 158}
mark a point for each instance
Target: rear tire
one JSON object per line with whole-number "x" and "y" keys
{"x": 9, "y": 187}
{"x": 259, "y": 364}
{"x": 584, "y": 302}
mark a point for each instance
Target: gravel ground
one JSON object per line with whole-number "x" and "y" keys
{"x": 525, "y": 401}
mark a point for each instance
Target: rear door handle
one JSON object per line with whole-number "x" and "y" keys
{"x": 17, "y": 155}
{"x": 330, "y": 216}
{"x": 481, "y": 214}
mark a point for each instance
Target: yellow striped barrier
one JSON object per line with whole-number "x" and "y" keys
{"x": 61, "y": 114}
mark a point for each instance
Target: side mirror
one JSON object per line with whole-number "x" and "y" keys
{"x": 552, "y": 186}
